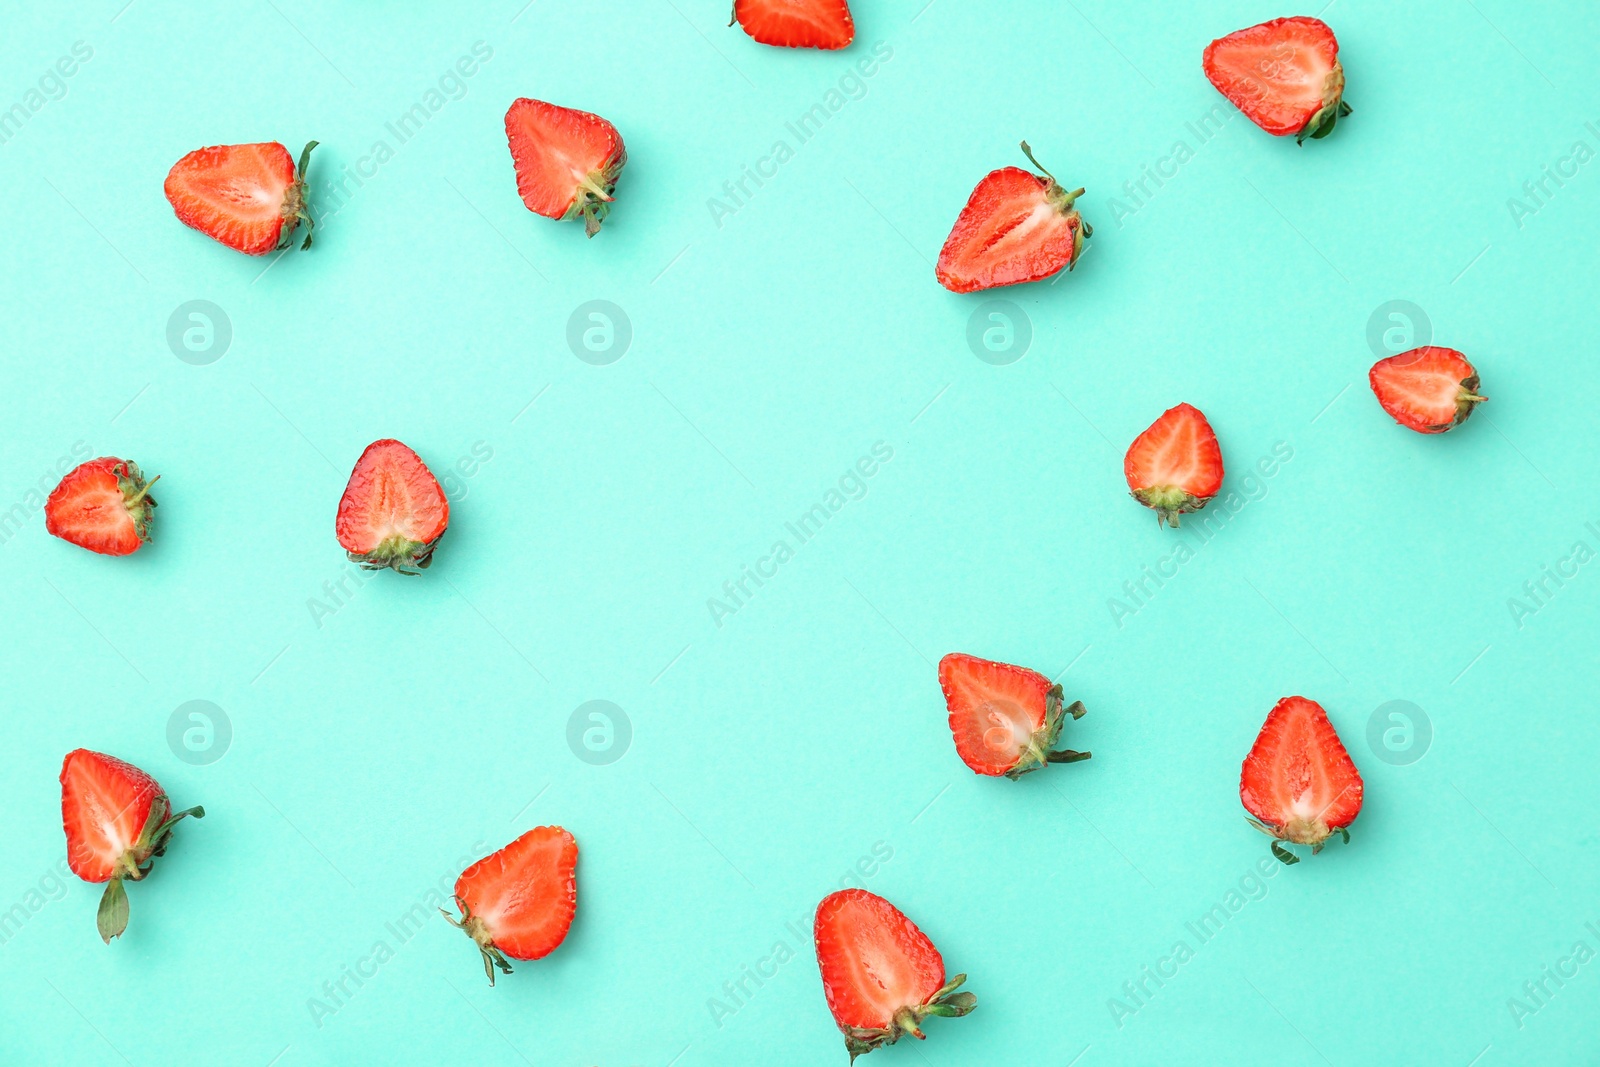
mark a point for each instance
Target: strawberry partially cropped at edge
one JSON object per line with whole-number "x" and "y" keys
{"x": 103, "y": 505}
{"x": 251, "y": 197}
{"x": 1005, "y": 719}
{"x": 393, "y": 510}
{"x": 881, "y": 975}
{"x": 1298, "y": 783}
{"x": 117, "y": 820}
{"x": 567, "y": 161}
{"x": 1284, "y": 75}
{"x": 1176, "y": 465}
{"x": 518, "y": 903}
{"x": 796, "y": 23}
{"x": 1017, "y": 227}
{"x": 1428, "y": 389}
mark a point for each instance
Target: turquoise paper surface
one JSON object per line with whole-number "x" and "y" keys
{"x": 739, "y": 470}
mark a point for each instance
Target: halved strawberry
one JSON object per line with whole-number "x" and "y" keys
{"x": 1175, "y": 466}
{"x": 393, "y": 511}
{"x": 796, "y": 23}
{"x": 881, "y": 975}
{"x": 1016, "y": 227}
{"x": 1284, "y": 75}
{"x": 103, "y": 505}
{"x": 519, "y": 902}
{"x": 117, "y": 820}
{"x": 1006, "y": 720}
{"x": 1429, "y": 390}
{"x": 1298, "y": 782}
{"x": 567, "y": 161}
{"x": 251, "y": 197}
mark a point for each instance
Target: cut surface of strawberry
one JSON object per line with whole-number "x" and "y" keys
{"x": 1016, "y": 227}
{"x": 1428, "y": 389}
{"x": 567, "y": 161}
{"x": 103, "y": 505}
{"x": 117, "y": 819}
{"x": 1298, "y": 783}
{"x": 1284, "y": 75}
{"x": 518, "y": 903}
{"x": 881, "y": 975}
{"x": 796, "y": 23}
{"x": 1006, "y": 720}
{"x": 393, "y": 511}
{"x": 250, "y": 197}
{"x": 1176, "y": 465}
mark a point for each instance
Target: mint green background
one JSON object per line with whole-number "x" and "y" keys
{"x": 424, "y": 722}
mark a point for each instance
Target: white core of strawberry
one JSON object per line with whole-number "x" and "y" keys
{"x": 106, "y": 822}
{"x": 1009, "y": 731}
{"x": 252, "y": 195}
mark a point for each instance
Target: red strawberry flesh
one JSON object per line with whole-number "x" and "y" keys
{"x": 1284, "y": 75}
{"x": 103, "y": 505}
{"x": 519, "y": 902}
{"x": 1298, "y": 781}
{"x": 881, "y": 975}
{"x": 105, "y": 804}
{"x": 116, "y": 819}
{"x": 1016, "y": 227}
{"x": 567, "y": 161}
{"x": 250, "y": 197}
{"x": 393, "y": 511}
{"x": 1176, "y": 465}
{"x": 1429, "y": 389}
{"x": 1005, "y": 719}
{"x": 796, "y": 23}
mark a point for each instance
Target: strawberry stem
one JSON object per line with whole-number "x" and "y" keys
{"x": 143, "y": 492}
{"x": 906, "y": 1021}
{"x": 1029, "y": 153}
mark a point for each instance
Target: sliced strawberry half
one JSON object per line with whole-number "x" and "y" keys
{"x": 393, "y": 511}
{"x": 1017, "y": 227}
{"x": 103, "y": 505}
{"x": 796, "y": 23}
{"x": 1429, "y": 389}
{"x": 1005, "y": 719}
{"x": 1176, "y": 465}
{"x": 518, "y": 903}
{"x": 117, "y": 819}
{"x": 1298, "y": 783}
{"x": 567, "y": 161}
{"x": 251, "y": 197}
{"x": 881, "y": 975}
{"x": 1284, "y": 75}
